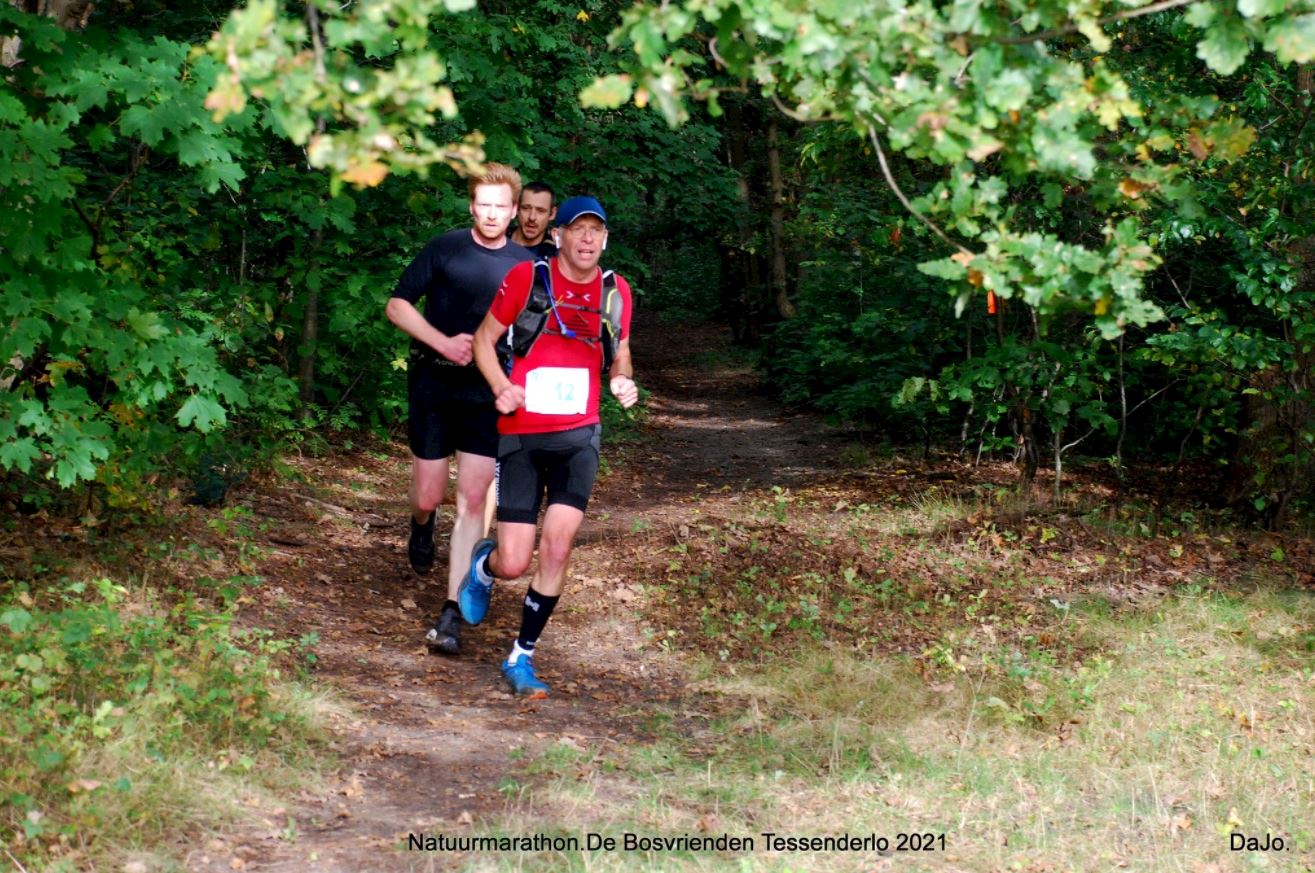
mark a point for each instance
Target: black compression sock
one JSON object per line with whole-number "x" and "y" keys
{"x": 534, "y": 617}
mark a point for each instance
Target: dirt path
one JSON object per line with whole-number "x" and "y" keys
{"x": 434, "y": 738}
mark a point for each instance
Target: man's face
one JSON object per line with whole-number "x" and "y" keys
{"x": 535, "y": 212}
{"x": 581, "y": 243}
{"x": 492, "y": 208}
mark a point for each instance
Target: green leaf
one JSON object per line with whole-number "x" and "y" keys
{"x": 196, "y": 147}
{"x": 19, "y": 454}
{"x": 1292, "y": 40}
{"x": 101, "y": 136}
{"x": 1224, "y": 48}
{"x": 145, "y": 122}
{"x": 228, "y": 175}
{"x": 944, "y": 269}
{"x": 1008, "y": 91}
{"x": 17, "y": 619}
{"x": 1063, "y": 151}
{"x": 1089, "y": 28}
{"x": 1052, "y": 195}
{"x": 607, "y": 92}
{"x": 1231, "y": 137}
{"x": 146, "y": 325}
{"x": 1261, "y": 8}
{"x": 1201, "y": 15}
{"x": 202, "y": 413}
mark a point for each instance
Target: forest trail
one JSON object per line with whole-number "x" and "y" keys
{"x": 436, "y": 744}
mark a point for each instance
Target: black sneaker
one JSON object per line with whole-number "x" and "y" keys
{"x": 420, "y": 550}
{"x": 445, "y": 635}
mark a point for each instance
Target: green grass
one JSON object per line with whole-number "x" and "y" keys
{"x": 134, "y": 715}
{"x": 1159, "y": 732}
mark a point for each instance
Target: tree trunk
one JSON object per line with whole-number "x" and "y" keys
{"x": 737, "y": 262}
{"x": 68, "y": 14}
{"x": 784, "y": 307}
{"x": 309, "y": 334}
{"x": 310, "y": 329}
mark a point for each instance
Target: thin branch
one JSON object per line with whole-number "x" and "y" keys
{"x": 712, "y": 50}
{"x": 138, "y": 157}
{"x": 894, "y": 186}
{"x": 1181, "y": 295}
{"x": 963, "y": 71}
{"x": 1172, "y": 383}
{"x": 876, "y": 92}
{"x": 1273, "y": 96}
{"x": 17, "y": 864}
{"x": 346, "y": 393}
{"x": 1130, "y": 412}
{"x": 796, "y": 116}
{"x": 1075, "y": 442}
{"x": 1073, "y": 28}
{"x": 1123, "y": 406}
{"x": 313, "y": 19}
{"x": 1182, "y": 447}
{"x": 93, "y": 228}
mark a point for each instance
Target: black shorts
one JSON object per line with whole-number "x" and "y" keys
{"x": 440, "y": 424}
{"x": 564, "y": 464}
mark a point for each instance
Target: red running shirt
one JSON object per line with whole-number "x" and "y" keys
{"x": 560, "y": 375}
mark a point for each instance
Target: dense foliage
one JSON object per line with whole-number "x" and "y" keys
{"x": 182, "y": 289}
{"x": 1124, "y": 192}
{"x": 205, "y": 211}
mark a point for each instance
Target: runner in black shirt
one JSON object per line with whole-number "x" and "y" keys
{"x": 451, "y": 408}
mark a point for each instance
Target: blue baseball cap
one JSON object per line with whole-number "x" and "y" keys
{"x": 575, "y": 207}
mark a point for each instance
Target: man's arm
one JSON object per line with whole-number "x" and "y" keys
{"x": 403, "y": 313}
{"x": 506, "y": 396}
{"x": 621, "y": 376}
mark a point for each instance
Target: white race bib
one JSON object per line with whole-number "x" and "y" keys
{"x": 557, "y": 390}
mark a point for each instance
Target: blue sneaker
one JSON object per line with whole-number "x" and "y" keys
{"x": 522, "y": 679}
{"x": 473, "y": 595}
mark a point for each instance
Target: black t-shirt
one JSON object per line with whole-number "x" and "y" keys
{"x": 458, "y": 278}
{"x": 542, "y": 250}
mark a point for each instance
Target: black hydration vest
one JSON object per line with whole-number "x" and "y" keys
{"x": 537, "y": 316}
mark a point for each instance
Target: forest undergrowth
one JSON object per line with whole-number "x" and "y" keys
{"x": 975, "y": 678}
{"x": 884, "y": 646}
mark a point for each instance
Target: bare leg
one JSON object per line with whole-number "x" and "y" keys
{"x": 428, "y": 486}
{"x": 514, "y": 551}
{"x": 490, "y": 507}
{"x": 474, "y": 474}
{"x": 560, "y": 524}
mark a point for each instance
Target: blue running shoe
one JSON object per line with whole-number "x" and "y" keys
{"x": 473, "y": 595}
{"x": 522, "y": 679}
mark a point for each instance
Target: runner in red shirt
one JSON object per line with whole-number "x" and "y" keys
{"x": 550, "y": 429}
